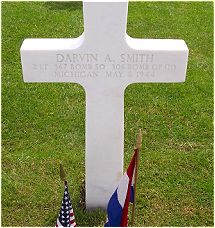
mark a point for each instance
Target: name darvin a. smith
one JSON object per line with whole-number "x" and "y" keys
{"x": 94, "y": 57}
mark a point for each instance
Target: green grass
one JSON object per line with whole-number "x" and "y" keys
{"x": 43, "y": 124}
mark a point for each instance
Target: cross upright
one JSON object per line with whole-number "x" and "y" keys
{"x": 104, "y": 60}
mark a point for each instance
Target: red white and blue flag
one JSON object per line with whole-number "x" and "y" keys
{"x": 118, "y": 204}
{"x": 66, "y": 216}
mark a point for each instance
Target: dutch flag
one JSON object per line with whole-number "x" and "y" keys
{"x": 118, "y": 204}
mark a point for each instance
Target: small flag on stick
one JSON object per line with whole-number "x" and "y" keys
{"x": 118, "y": 204}
{"x": 62, "y": 173}
{"x": 66, "y": 216}
{"x": 125, "y": 193}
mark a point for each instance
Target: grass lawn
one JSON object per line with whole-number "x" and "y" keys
{"x": 44, "y": 124}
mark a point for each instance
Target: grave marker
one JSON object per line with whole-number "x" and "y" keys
{"x": 104, "y": 60}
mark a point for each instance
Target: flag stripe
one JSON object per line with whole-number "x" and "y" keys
{"x": 58, "y": 223}
{"x": 132, "y": 194}
{"x": 122, "y": 189}
{"x": 72, "y": 218}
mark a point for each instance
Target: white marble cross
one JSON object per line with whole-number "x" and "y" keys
{"x": 104, "y": 60}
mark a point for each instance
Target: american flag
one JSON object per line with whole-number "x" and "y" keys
{"x": 66, "y": 216}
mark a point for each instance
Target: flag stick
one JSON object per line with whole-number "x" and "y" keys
{"x": 62, "y": 173}
{"x": 137, "y": 147}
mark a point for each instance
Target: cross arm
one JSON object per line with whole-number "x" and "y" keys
{"x": 156, "y": 60}
{"x": 43, "y": 59}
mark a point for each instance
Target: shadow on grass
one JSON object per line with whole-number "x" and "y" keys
{"x": 91, "y": 218}
{"x": 70, "y": 6}
{"x": 85, "y": 217}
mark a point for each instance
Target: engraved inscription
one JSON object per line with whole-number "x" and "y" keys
{"x": 136, "y": 58}
{"x": 75, "y": 58}
{"x": 93, "y": 65}
{"x": 40, "y": 67}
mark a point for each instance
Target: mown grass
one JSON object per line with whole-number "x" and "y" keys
{"x": 43, "y": 124}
